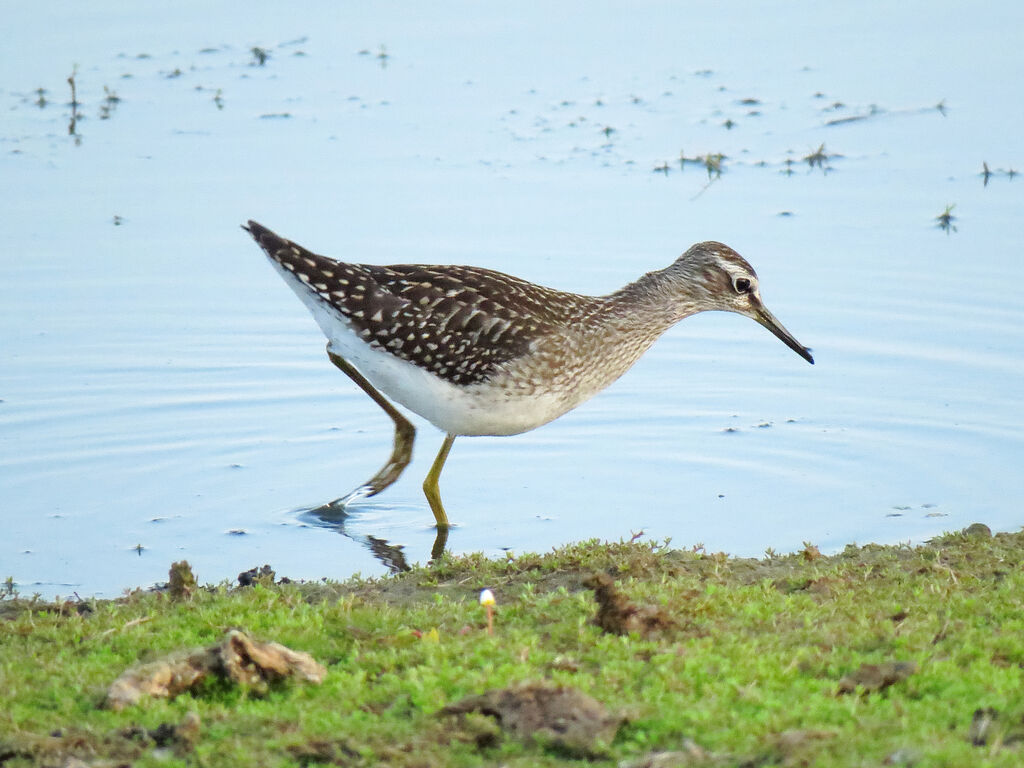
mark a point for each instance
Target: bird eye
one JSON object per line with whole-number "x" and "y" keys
{"x": 742, "y": 284}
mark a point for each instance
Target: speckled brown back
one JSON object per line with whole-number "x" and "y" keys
{"x": 459, "y": 323}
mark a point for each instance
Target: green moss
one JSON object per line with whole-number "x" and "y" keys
{"x": 751, "y": 672}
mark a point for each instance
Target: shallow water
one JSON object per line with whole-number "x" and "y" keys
{"x": 165, "y": 396}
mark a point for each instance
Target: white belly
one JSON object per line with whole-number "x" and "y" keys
{"x": 477, "y": 409}
{"x": 473, "y": 410}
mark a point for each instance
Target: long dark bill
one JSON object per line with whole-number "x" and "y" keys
{"x": 768, "y": 320}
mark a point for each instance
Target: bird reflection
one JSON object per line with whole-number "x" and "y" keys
{"x": 334, "y": 515}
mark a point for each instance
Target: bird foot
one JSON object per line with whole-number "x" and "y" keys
{"x": 360, "y": 493}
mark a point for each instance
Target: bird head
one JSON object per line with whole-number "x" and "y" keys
{"x": 721, "y": 279}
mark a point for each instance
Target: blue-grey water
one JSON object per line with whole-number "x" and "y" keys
{"x": 163, "y": 395}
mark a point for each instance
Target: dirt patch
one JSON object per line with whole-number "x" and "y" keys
{"x": 617, "y": 615}
{"x": 869, "y": 678}
{"x": 559, "y": 717}
{"x": 73, "y": 747}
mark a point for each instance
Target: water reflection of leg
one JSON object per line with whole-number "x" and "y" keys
{"x": 440, "y": 541}
{"x": 335, "y": 515}
{"x": 391, "y": 555}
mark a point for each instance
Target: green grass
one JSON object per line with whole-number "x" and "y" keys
{"x": 758, "y": 652}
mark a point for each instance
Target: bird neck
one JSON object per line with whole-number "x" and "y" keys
{"x": 658, "y": 299}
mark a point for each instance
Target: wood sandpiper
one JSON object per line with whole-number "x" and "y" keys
{"x": 478, "y": 352}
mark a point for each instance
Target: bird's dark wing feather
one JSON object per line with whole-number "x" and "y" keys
{"x": 460, "y": 323}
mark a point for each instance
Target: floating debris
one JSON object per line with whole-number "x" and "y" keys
{"x": 110, "y": 101}
{"x": 875, "y": 111}
{"x": 944, "y": 220}
{"x": 819, "y": 159}
{"x": 987, "y": 173}
{"x": 712, "y": 162}
{"x": 74, "y": 104}
{"x": 259, "y": 56}
{"x": 872, "y": 112}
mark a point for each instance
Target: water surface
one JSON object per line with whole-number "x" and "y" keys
{"x": 165, "y": 396}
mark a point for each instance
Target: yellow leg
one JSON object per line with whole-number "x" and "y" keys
{"x": 405, "y": 434}
{"x": 430, "y": 484}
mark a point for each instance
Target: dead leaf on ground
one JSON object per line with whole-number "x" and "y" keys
{"x": 692, "y": 754}
{"x": 876, "y": 677}
{"x": 794, "y": 745}
{"x": 617, "y": 615}
{"x": 558, "y": 716}
{"x": 324, "y": 751}
{"x": 254, "y": 664}
{"x": 981, "y": 725}
{"x": 237, "y": 658}
{"x": 995, "y": 730}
